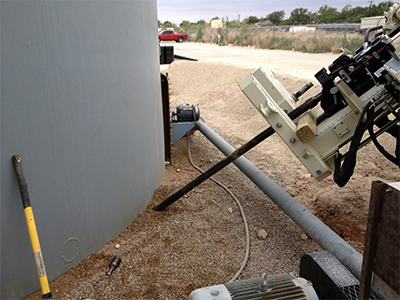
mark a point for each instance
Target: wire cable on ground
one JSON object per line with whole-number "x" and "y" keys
{"x": 246, "y": 227}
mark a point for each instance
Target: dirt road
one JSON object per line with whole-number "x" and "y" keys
{"x": 301, "y": 65}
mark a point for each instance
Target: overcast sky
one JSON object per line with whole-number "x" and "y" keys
{"x": 194, "y": 10}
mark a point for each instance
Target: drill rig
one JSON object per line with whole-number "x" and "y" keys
{"x": 358, "y": 93}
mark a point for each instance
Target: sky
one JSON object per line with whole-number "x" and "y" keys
{"x": 194, "y": 10}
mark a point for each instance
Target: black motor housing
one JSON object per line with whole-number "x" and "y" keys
{"x": 187, "y": 113}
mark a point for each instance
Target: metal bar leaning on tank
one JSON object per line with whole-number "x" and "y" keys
{"x": 308, "y": 104}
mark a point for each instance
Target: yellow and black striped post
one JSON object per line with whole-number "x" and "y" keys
{"x": 30, "y": 221}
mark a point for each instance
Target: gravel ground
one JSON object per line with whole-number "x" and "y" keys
{"x": 199, "y": 240}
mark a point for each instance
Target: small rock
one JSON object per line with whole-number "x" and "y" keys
{"x": 230, "y": 210}
{"x": 178, "y": 170}
{"x": 117, "y": 246}
{"x": 262, "y": 234}
{"x": 304, "y": 237}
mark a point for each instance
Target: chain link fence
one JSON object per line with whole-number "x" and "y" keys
{"x": 317, "y": 38}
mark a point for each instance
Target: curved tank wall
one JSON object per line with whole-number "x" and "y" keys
{"x": 81, "y": 103}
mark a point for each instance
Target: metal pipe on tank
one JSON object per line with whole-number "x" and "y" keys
{"x": 310, "y": 224}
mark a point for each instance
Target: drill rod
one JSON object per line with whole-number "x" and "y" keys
{"x": 308, "y": 104}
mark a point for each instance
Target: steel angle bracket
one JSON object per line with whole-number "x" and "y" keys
{"x": 283, "y": 125}
{"x": 270, "y": 83}
{"x": 179, "y": 130}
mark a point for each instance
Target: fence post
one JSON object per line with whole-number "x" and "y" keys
{"x": 293, "y": 32}
{"x": 236, "y": 33}
{"x": 315, "y": 32}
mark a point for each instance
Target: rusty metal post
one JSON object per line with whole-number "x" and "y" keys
{"x": 382, "y": 243}
{"x": 166, "y": 117}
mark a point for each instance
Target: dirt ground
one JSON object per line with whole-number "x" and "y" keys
{"x": 199, "y": 240}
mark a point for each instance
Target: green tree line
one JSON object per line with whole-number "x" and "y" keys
{"x": 298, "y": 16}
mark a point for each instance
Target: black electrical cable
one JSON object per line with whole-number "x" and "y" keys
{"x": 246, "y": 226}
{"x": 382, "y": 150}
{"x": 395, "y": 132}
{"x": 377, "y": 35}
{"x": 379, "y": 146}
{"x": 343, "y": 172}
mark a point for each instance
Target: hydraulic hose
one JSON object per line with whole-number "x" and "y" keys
{"x": 343, "y": 172}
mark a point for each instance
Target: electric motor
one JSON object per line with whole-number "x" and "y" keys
{"x": 186, "y": 113}
{"x": 281, "y": 286}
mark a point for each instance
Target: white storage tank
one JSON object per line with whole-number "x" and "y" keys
{"x": 81, "y": 103}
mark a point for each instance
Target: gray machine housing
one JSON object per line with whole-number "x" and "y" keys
{"x": 278, "y": 286}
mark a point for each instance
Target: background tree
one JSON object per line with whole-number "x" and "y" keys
{"x": 327, "y": 14}
{"x": 378, "y": 10}
{"x": 201, "y": 22}
{"x": 276, "y": 17}
{"x": 345, "y": 14}
{"x": 185, "y": 25}
{"x": 357, "y": 13}
{"x": 168, "y": 24}
{"x": 251, "y": 20}
{"x": 299, "y": 16}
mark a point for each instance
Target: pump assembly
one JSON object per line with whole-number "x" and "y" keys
{"x": 182, "y": 121}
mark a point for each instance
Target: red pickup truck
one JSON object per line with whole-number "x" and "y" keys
{"x": 170, "y": 35}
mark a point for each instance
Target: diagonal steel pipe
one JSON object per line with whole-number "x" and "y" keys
{"x": 309, "y": 223}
